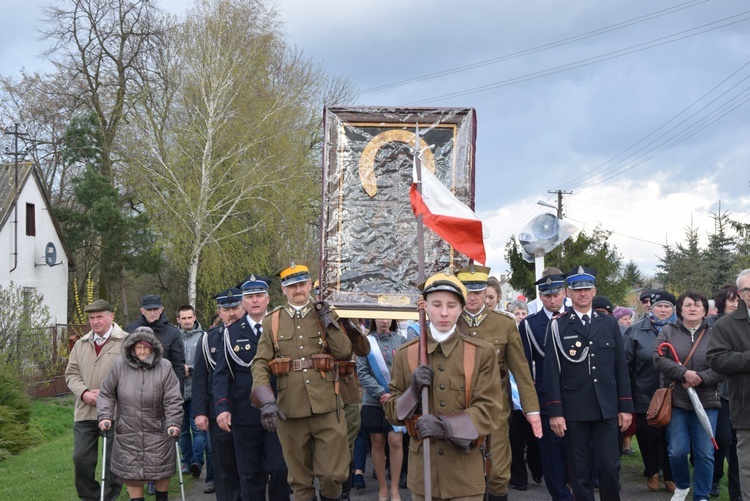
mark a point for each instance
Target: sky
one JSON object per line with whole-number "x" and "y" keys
{"x": 637, "y": 107}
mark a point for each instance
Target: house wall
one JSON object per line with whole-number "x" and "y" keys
{"x": 51, "y": 282}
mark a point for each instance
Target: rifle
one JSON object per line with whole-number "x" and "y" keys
{"x": 487, "y": 458}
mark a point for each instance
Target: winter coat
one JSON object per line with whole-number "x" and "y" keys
{"x": 728, "y": 354}
{"x": 682, "y": 340}
{"x": 146, "y": 396}
{"x": 639, "y": 354}
{"x": 86, "y": 370}
{"x": 171, "y": 340}
{"x": 191, "y": 340}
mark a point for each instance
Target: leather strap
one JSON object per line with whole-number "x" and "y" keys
{"x": 470, "y": 357}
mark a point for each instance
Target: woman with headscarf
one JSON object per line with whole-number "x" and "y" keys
{"x": 144, "y": 391}
{"x": 644, "y": 380}
{"x": 685, "y": 434}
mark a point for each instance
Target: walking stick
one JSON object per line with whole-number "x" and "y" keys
{"x": 179, "y": 469}
{"x": 422, "y": 324}
{"x": 104, "y": 462}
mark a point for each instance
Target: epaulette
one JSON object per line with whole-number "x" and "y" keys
{"x": 271, "y": 312}
{"x": 407, "y": 343}
{"x": 504, "y": 313}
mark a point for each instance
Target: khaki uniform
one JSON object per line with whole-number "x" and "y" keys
{"x": 350, "y": 397}
{"x": 501, "y": 332}
{"x": 314, "y": 436}
{"x": 455, "y": 474}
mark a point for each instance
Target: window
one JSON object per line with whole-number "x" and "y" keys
{"x": 30, "y": 220}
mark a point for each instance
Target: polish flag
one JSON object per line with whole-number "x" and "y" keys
{"x": 444, "y": 214}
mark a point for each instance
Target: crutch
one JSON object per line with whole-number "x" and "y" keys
{"x": 179, "y": 469}
{"x": 104, "y": 462}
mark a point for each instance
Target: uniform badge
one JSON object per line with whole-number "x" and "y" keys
{"x": 578, "y": 344}
{"x": 236, "y": 347}
{"x": 572, "y": 353}
{"x": 213, "y": 350}
{"x": 247, "y": 346}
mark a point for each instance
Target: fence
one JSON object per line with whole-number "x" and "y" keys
{"x": 48, "y": 371}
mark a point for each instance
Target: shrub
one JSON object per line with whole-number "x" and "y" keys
{"x": 15, "y": 413}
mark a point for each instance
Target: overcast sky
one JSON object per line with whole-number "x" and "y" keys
{"x": 636, "y": 106}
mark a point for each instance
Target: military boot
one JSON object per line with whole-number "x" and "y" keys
{"x": 495, "y": 497}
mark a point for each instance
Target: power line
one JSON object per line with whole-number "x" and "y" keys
{"x": 539, "y": 48}
{"x": 674, "y": 37}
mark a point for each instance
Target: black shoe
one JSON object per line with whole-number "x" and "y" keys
{"x": 537, "y": 478}
{"x": 359, "y": 481}
{"x": 209, "y": 488}
{"x": 520, "y": 487}
{"x": 714, "y": 490}
{"x": 195, "y": 469}
{"x": 402, "y": 481}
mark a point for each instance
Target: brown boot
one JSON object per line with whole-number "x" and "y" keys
{"x": 669, "y": 485}
{"x": 653, "y": 482}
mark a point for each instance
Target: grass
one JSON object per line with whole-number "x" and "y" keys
{"x": 44, "y": 472}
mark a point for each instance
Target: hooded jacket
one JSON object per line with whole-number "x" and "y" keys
{"x": 171, "y": 340}
{"x": 146, "y": 395}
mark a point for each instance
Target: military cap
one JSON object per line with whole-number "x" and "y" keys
{"x": 444, "y": 282}
{"x": 474, "y": 277}
{"x": 229, "y": 298}
{"x": 581, "y": 278}
{"x": 658, "y": 296}
{"x": 151, "y": 302}
{"x": 602, "y": 303}
{"x": 98, "y": 305}
{"x": 551, "y": 284}
{"x": 254, "y": 284}
{"x": 296, "y": 271}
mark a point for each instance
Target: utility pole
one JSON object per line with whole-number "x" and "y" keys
{"x": 560, "y": 194}
{"x": 16, "y": 154}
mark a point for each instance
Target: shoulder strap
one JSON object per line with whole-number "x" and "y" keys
{"x": 470, "y": 357}
{"x": 275, "y": 329}
{"x": 690, "y": 355}
{"x": 412, "y": 356}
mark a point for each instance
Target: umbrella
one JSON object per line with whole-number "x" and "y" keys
{"x": 697, "y": 406}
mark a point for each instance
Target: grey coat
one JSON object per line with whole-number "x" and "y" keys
{"x": 146, "y": 396}
{"x": 680, "y": 338}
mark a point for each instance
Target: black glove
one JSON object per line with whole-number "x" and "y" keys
{"x": 323, "y": 310}
{"x": 422, "y": 376}
{"x": 430, "y": 425}
{"x": 268, "y": 417}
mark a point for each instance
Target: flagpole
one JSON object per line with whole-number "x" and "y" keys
{"x": 422, "y": 322}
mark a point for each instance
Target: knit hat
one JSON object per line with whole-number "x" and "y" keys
{"x": 658, "y": 296}
{"x": 621, "y": 311}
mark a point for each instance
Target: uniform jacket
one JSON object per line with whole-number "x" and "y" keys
{"x": 388, "y": 344}
{"x": 533, "y": 329}
{"x": 501, "y": 332}
{"x": 86, "y": 370}
{"x": 232, "y": 381}
{"x": 304, "y": 392}
{"x": 680, "y": 338}
{"x": 596, "y": 388}
{"x": 191, "y": 340}
{"x": 147, "y": 397}
{"x": 348, "y": 385}
{"x": 171, "y": 340}
{"x": 727, "y": 354}
{"x": 639, "y": 355}
{"x": 203, "y": 376}
{"x": 454, "y": 472}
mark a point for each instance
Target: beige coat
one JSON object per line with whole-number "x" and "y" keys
{"x": 86, "y": 370}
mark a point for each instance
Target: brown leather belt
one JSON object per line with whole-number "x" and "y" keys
{"x": 298, "y": 365}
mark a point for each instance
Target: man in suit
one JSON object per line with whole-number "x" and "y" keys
{"x": 533, "y": 330}
{"x": 587, "y": 388}
{"x": 226, "y": 478}
{"x": 259, "y": 458}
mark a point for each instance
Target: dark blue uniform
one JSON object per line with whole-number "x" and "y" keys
{"x": 586, "y": 382}
{"x": 226, "y": 478}
{"x": 533, "y": 330}
{"x": 259, "y": 458}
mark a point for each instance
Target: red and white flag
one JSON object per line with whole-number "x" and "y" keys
{"x": 447, "y": 216}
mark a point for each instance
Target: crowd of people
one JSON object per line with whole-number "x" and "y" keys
{"x": 290, "y": 402}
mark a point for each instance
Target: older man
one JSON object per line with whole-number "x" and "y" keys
{"x": 729, "y": 353}
{"x": 90, "y": 360}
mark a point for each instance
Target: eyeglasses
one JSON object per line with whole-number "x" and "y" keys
{"x": 744, "y": 291}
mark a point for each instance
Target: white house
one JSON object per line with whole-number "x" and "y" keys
{"x": 32, "y": 253}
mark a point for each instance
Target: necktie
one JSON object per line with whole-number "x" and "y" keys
{"x": 257, "y": 329}
{"x": 585, "y": 319}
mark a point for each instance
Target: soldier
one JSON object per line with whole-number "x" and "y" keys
{"x": 226, "y": 478}
{"x": 500, "y": 331}
{"x": 259, "y": 458}
{"x": 299, "y": 344}
{"x": 465, "y": 397}
{"x": 533, "y": 330}
{"x": 587, "y": 388}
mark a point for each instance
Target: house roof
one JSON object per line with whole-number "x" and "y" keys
{"x": 26, "y": 171}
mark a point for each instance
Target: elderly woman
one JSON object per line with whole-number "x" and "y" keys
{"x": 624, "y": 317}
{"x": 690, "y": 333}
{"x": 644, "y": 380}
{"x": 519, "y": 309}
{"x": 144, "y": 390}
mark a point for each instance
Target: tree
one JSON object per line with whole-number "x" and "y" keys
{"x": 633, "y": 276}
{"x": 682, "y": 268}
{"x": 227, "y": 135}
{"x": 522, "y": 276}
{"x": 719, "y": 257}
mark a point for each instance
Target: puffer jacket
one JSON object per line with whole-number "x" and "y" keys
{"x": 146, "y": 395}
{"x": 682, "y": 340}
